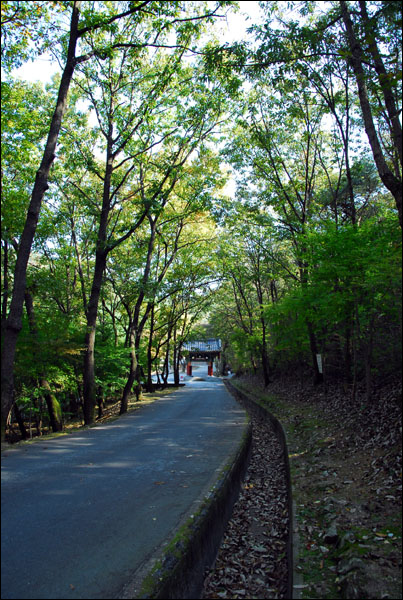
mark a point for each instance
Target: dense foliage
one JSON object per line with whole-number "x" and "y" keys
{"x": 130, "y": 240}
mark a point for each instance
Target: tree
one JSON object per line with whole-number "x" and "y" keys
{"x": 13, "y": 324}
{"x": 26, "y": 31}
{"x": 248, "y": 269}
{"x": 319, "y": 39}
{"x": 286, "y": 168}
{"x": 388, "y": 86}
{"x": 82, "y": 25}
{"x": 140, "y": 139}
{"x": 183, "y": 297}
{"x": 25, "y": 109}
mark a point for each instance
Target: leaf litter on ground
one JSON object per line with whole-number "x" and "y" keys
{"x": 346, "y": 466}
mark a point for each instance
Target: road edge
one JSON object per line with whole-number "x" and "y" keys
{"x": 179, "y": 570}
{"x": 252, "y": 404}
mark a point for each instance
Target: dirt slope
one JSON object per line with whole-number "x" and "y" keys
{"x": 346, "y": 472}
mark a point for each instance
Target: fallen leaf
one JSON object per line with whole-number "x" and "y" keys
{"x": 259, "y": 548}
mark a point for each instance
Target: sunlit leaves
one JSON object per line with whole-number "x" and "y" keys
{"x": 28, "y": 29}
{"x": 24, "y": 120}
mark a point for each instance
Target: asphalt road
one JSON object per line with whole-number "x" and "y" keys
{"x": 81, "y": 513}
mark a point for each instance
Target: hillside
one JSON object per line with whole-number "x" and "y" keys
{"x": 346, "y": 475}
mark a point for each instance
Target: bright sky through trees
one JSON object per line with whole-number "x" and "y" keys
{"x": 232, "y": 28}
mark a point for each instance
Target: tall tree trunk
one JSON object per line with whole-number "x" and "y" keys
{"x": 150, "y": 385}
{"x": 89, "y": 386}
{"x": 317, "y": 375}
{"x": 389, "y": 179}
{"x": 263, "y": 352}
{"x": 384, "y": 80}
{"x": 177, "y": 363}
{"x": 264, "y": 355}
{"x": 132, "y": 373}
{"x": 5, "y": 289}
{"x": 176, "y": 357}
{"x": 165, "y": 372}
{"x": 79, "y": 265}
{"x": 136, "y": 328}
{"x": 54, "y": 408}
{"x": 14, "y": 321}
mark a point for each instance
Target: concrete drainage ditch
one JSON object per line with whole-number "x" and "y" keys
{"x": 178, "y": 571}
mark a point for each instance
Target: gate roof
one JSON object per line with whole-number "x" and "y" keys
{"x": 210, "y": 345}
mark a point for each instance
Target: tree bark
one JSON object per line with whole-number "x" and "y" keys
{"x": 79, "y": 265}
{"x": 5, "y": 289}
{"x": 317, "y": 375}
{"x": 132, "y": 373}
{"x": 264, "y": 355}
{"x": 135, "y": 330}
{"x": 178, "y": 350}
{"x": 54, "y": 408}
{"x": 384, "y": 80}
{"x": 150, "y": 385}
{"x": 389, "y": 179}
{"x": 176, "y": 357}
{"x": 89, "y": 387}
{"x": 165, "y": 372}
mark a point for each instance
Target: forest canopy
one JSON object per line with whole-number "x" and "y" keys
{"x": 120, "y": 235}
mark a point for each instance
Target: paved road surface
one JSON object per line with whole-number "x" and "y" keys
{"x": 81, "y": 513}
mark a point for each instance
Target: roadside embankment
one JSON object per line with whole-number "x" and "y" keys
{"x": 255, "y": 559}
{"x": 345, "y": 463}
{"x": 262, "y": 545}
{"x": 178, "y": 571}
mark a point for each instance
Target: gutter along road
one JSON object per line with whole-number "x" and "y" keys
{"x": 82, "y": 513}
